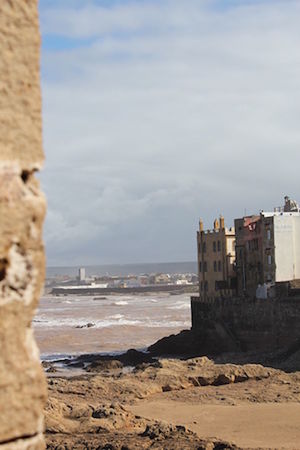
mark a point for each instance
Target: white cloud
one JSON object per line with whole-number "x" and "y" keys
{"x": 173, "y": 110}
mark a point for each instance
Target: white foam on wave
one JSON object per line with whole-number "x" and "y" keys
{"x": 111, "y": 321}
{"x": 73, "y": 323}
{"x": 120, "y": 303}
{"x": 168, "y": 324}
{"x": 40, "y": 321}
{"x": 116, "y": 316}
{"x": 180, "y": 305}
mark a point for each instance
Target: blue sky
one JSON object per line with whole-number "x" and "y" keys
{"x": 54, "y": 42}
{"x": 159, "y": 112}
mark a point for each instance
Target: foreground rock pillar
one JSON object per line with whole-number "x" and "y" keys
{"x": 22, "y": 210}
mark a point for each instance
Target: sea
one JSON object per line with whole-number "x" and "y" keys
{"x": 71, "y": 325}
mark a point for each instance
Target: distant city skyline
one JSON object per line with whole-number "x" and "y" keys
{"x": 125, "y": 269}
{"x": 158, "y": 112}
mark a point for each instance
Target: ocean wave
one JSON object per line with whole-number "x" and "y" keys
{"x": 111, "y": 321}
{"x": 180, "y": 305}
{"x": 83, "y": 323}
{"x": 116, "y": 316}
{"x": 168, "y": 324}
{"x": 40, "y": 320}
{"x": 120, "y": 303}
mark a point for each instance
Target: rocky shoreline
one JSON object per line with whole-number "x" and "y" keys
{"x": 111, "y": 404}
{"x": 185, "y": 345}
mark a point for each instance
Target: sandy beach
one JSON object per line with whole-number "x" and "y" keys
{"x": 138, "y": 402}
{"x": 102, "y": 396}
{"x": 263, "y": 425}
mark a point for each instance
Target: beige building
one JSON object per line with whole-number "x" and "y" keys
{"x": 216, "y": 258}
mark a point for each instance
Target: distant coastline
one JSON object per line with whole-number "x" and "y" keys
{"x": 125, "y": 269}
{"x": 91, "y": 290}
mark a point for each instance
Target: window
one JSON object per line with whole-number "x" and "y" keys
{"x": 206, "y": 286}
{"x": 205, "y": 266}
{"x": 200, "y": 266}
{"x": 219, "y": 246}
{"x": 201, "y": 286}
{"x": 214, "y": 246}
{"x": 215, "y": 266}
{"x": 268, "y": 234}
{"x": 269, "y": 260}
{"x": 204, "y": 247}
{"x": 219, "y": 266}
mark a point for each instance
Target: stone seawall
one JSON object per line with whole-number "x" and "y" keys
{"x": 249, "y": 324}
{"x": 176, "y": 289}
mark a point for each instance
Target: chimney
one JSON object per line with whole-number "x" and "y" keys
{"x": 201, "y": 227}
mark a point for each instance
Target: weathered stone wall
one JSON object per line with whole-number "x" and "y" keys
{"x": 252, "y": 324}
{"x": 22, "y": 210}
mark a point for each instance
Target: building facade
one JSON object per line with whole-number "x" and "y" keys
{"x": 81, "y": 274}
{"x": 216, "y": 259}
{"x": 268, "y": 249}
{"x": 249, "y": 254}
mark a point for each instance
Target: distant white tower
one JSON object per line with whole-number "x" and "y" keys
{"x": 82, "y": 274}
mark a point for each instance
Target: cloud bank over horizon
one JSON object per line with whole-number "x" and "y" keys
{"x": 157, "y": 112}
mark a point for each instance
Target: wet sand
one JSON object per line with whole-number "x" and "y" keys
{"x": 174, "y": 405}
{"x": 266, "y": 425}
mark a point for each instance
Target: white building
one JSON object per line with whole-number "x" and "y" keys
{"x": 82, "y": 274}
{"x": 285, "y": 234}
{"x": 268, "y": 248}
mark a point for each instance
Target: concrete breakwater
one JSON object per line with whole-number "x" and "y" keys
{"x": 86, "y": 290}
{"x": 248, "y": 324}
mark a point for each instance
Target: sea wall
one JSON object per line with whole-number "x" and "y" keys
{"x": 249, "y": 324}
{"x": 175, "y": 288}
{"x": 22, "y": 210}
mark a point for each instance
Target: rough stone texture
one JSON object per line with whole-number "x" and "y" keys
{"x": 22, "y": 210}
{"x": 270, "y": 325}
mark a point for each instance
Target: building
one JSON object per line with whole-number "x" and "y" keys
{"x": 249, "y": 250}
{"x": 216, "y": 258}
{"x": 268, "y": 249}
{"x": 162, "y": 278}
{"x": 81, "y": 274}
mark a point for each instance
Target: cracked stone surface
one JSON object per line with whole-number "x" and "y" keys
{"x": 22, "y": 211}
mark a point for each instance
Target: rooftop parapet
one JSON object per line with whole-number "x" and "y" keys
{"x": 230, "y": 230}
{"x": 219, "y": 226}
